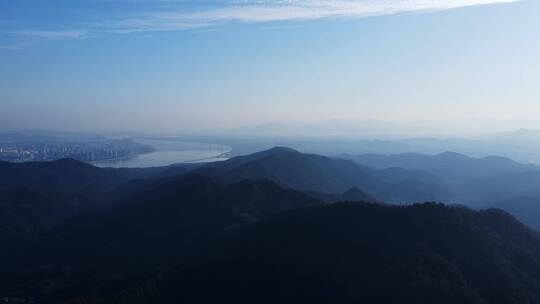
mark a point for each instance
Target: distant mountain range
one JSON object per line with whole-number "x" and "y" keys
{"x": 338, "y": 127}
{"x": 271, "y": 227}
{"x": 67, "y": 187}
{"x": 449, "y": 166}
{"x": 315, "y": 173}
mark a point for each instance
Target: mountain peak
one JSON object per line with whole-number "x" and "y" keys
{"x": 449, "y": 154}
{"x": 70, "y": 161}
{"x": 280, "y": 149}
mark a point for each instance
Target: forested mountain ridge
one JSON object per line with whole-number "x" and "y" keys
{"x": 34, "y": 196}
{"x": 262, "y": 224}
{"x": 424, "y": 253}
{"x": 316, "y": 173}
{"x": 358, "y": 252}
{"x": 137, "y": 237}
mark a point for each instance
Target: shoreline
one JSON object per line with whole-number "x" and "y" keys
{"x": 224, "y": 155}
{"x": 199, "y": 152}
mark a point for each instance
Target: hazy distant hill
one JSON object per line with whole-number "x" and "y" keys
{"x": 354, "y": 194}
{"x": 293, "y": 169}
{"x": 328, "y": 128}
{"x": 364, "y": 253}
{"x": 449, "y": 166}
{"x": 525, "y": 208}
{"x": 495, "y": 189}
{"x": 316, "y": 173}
{"x": 517, "y": 194}
{"x": 476, "y": 182}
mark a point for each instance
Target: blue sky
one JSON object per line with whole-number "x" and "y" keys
{"x": 179, "y": 66}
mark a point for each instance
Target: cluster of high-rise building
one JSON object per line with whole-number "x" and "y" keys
{"x": 83, "y": 151}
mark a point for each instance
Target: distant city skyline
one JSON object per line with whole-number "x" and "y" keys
{"x": 183, "y": 66}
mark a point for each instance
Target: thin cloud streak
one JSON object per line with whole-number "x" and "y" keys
{"x": 13, "y": 47}
{"x": 49, "y": 35}
{"x": 270, "y": 11}
{"x": 181, "y": 16}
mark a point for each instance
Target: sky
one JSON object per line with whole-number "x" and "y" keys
{"x": 181, "y": 66}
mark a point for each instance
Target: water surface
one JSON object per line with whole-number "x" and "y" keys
{"x": 169, "y": 152}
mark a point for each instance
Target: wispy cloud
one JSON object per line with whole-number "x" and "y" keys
{"x": 184, "y": 15}
{"x": 49, "y": 35}
{"x": 281, "y": 10}
{"x": 13, "y": 47}
{"x": 263, "y": 11}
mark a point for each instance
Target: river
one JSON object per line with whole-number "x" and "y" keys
{"x": 169, "y": 152}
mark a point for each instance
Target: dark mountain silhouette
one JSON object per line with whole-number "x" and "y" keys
{"x": 69, "y": 175}
{"x": 62, "y": 175}
{"x": 292, "y": 169}
{"x": 363, "y": 253}
{"x": 231, "y": 232}
{"x": 36, "y": 195}
{"x": 315, "y": 173}
{"x": 449, "y": 166}
{"x": 66, "y": 187}
{"x": 24, "y": 212}
{"x": 116, "y": 247}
